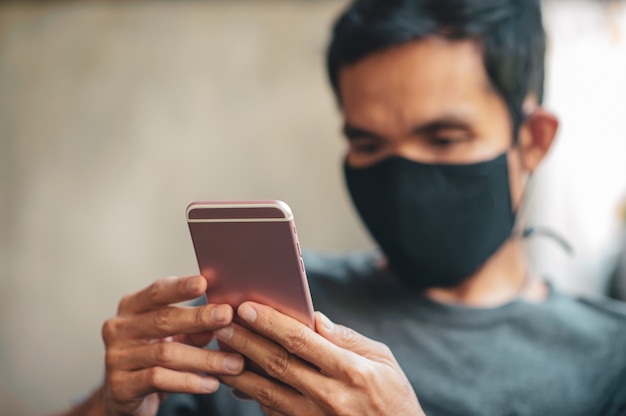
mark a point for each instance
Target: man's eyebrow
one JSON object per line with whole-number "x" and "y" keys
{"x": 354, "y": 132}
{"x": 443, "y": 123}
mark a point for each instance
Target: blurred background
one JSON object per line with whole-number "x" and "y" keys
{"x": 115, "y": 115}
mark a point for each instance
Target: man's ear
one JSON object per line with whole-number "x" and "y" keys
{"x": 536, "y": 136}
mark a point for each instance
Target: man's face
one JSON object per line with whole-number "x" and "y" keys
{"x": 431, "y": 101}
{"x": 428, "y": 101}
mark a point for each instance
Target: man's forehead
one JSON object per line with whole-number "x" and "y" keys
{"x": 424, "y": 63}
{"x": 416, "y": 81}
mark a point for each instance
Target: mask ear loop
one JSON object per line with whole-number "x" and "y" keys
{"x": 532, "y": 231}
{"x": 529, "y": 231}
{"x": 525, "y": 232}
{"x": 520, "y": 213}
{"x": 519, "y": 217}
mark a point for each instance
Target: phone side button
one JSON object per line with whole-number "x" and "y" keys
{"x": 299, "y": 251}
{"x": 301, "y": 264}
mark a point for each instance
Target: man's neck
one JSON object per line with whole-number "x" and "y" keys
{"x": 503, "y": 278}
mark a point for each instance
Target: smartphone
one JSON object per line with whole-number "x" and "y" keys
{"x": 248, "y": 250}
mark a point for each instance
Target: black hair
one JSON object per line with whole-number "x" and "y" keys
{"x": 510, "y": 32}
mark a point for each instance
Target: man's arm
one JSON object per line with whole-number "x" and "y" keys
{"x": 332, "y": 371}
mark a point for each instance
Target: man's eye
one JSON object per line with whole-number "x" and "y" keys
{"x": 442, "y": 141}
{"x": 364, "y": 147}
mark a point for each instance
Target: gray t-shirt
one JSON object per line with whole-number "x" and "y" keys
{"x": 563, "y": 356}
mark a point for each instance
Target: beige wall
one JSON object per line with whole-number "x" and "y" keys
{"x": 113, "y": 117}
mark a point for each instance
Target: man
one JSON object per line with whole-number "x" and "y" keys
{"x": 442, "y": 109}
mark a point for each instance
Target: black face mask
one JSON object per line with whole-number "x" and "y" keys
{"x": 437, "y": 224}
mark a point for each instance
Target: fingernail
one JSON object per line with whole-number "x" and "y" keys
{"x": 247, "y": 313}
{"x": 225, "y": 333}
{"x": 220, "y": 313}
{"x": 328, "y": 325}
{"x": 233, "y": 363}
{"x": 209, "y": 384}
{"x": 193, "y": 285}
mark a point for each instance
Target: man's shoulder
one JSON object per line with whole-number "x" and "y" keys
{"x": 590, "y": 322}
{"x": 597, "y": 310}
{"x": 593, "y": 307}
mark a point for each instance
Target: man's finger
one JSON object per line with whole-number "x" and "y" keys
{"x": 273, "y": 359}
{"x": 175, "y": 356}
{"x": 166, "y": 322}
{"x": 128, "y": 385}
{"x": 163, "y": 292}
{"x": 277, "y": 363}
{"x": 298, "y": 339}
{"x": 270, "y": 395}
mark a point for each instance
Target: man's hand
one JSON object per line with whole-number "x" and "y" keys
{"x": 154, "y": 347}
{"x": 335, "y": 371}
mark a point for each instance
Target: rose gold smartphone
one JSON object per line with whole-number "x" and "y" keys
{"x": 248, "y": 250}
